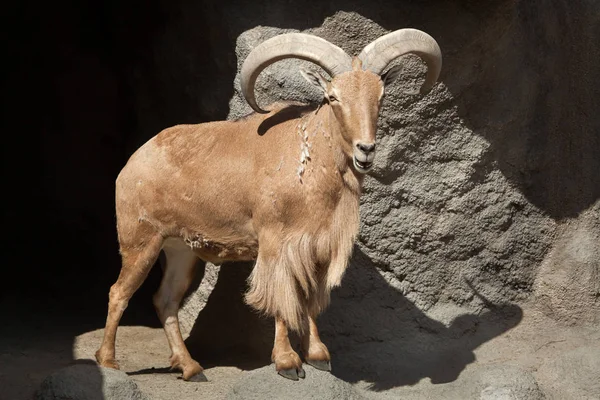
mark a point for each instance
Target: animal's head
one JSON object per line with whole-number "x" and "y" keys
{"x": 357, "y": 86}
{"x": 355, "y": 97}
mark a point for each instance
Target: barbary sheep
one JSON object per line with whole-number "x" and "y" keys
{"x": 280, "y": 186}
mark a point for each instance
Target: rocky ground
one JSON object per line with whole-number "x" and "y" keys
{"x": 532, "y": 358}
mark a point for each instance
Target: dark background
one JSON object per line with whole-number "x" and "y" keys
{"x": 86, "y": 83}
{"x": 77, "y": 76}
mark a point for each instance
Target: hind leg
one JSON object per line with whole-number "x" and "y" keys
{"x": 137, "y": 262}
{"x": 178, "y": 274}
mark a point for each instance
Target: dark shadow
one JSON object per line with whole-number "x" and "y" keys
{"x": 72, "y": 116}
{"x": 287, "y": 113}
{"x": 36, "y": 340}
{"x": 376, "y": 335}
{"x": 227, "y": 331}
{"x": 373, "y": 332}
{"x": 532, "y": 94}
{"x": 153, "y": 370}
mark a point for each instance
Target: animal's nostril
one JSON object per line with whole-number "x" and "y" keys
{"x": 366, "y": 148}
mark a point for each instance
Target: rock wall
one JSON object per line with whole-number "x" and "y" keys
{"x": 484, "y": 191}
{"x": 468, "y": 189}
{"x": 470, "y": 180}
{"x": 437, "y": 212}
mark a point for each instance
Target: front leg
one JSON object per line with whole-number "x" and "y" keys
{"x": 315, "y": 351}
{"x": 287, "y": 362}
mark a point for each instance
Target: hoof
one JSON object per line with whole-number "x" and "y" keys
{"x": 111, "y": 364}
{"x": 320, "y": 364}
{"x": 108, "y": 363}
{"x": 301, "y": 373}
{"x": 192, "y": 371}
{"x": 289, "y": 365}
{"x": 292, "y": 373}
{"x": 199, "y": 377}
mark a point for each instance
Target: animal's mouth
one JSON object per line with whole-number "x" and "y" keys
{"x": 362, "y": 166}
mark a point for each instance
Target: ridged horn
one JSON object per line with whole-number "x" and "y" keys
{"x": 381, "y": 52}
{"x": 291, "y": 45}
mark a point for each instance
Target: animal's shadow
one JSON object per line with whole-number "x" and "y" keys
{"x": 377, "y": 335}
{"x": 290, "y": 111}
{"x": 227, "y": 331}
{"x": 373, "y": 331}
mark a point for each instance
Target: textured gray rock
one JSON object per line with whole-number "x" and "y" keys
{"x": 568, "y": 284}
{"x": 471, "y": 184}
{"x": 265, "y": 383}
{"x": 197, "y": 299}
{"x": 88, "y": 382}
{"x": 436, "y": 211}
{"x": 573, "y": 375}
{"x": 504, "y": 383}
{"x": 486, "y": 382}
{"x": 479, "y": 192}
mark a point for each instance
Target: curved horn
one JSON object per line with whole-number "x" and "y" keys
{"x": 291, "y": 45}
{"x": 379, "y": 53}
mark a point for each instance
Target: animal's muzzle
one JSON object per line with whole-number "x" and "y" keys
{"x": 364, "y": 154}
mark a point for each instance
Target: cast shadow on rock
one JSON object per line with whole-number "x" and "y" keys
{"x": 36, "y": 340}
{"x": 227, "y": 331}
{"x": 546, "y": 147}
{"x": 373, "y": 332}
{"x": 377, "y": 335}
{"x": 290, "y": 111}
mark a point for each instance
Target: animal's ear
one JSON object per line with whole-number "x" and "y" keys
{"x": 315, "y": 78}
{"x": 391, "y": 75}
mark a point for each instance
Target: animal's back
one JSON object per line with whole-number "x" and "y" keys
{"x": 170, "y": 181}
{"x": 170, "y": 184}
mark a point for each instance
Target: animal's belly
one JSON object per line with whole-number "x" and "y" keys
{"x": 214, "y": 250}
{"x": 217, "y": 253}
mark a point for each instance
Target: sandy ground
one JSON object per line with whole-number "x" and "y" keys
{"x": 32, "y": 349}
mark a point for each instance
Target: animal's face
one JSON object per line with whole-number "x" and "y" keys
{"x": 355, "y": 98}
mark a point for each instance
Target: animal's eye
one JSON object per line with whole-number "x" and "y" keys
{"x": 332, "y": 98}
